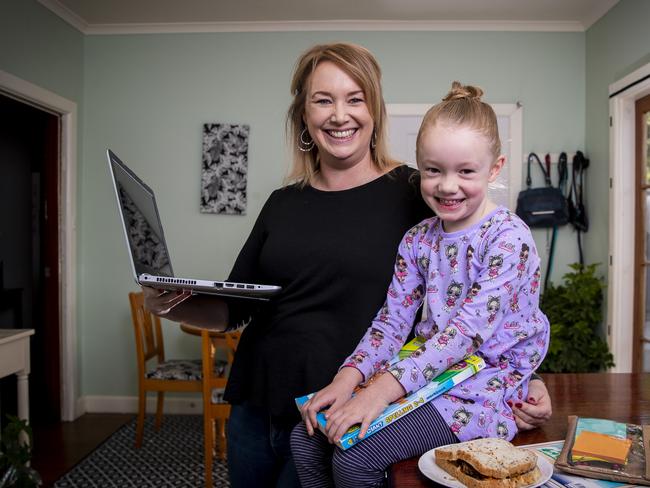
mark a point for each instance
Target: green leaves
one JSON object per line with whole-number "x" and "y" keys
{"x": 15, "y": 454}
{"x": 574, "y": 310}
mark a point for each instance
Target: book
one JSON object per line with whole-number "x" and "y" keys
{"x": 607, "y": 450}
{"x": 551, "y": 451}
{"x": 456, "y": 374}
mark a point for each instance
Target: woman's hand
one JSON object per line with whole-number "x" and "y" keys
{"x": 364, "y": 407}
{"x": 333, "y": 396}
{"x": 161, "y": 302}
{"x": 537, "y": 410}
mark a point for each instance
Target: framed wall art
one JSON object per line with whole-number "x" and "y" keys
{"x": 224, "y": 168}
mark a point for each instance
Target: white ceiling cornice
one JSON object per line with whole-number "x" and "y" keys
{"x": 597, "y": 10}
{"x": 334, "y": 25}
{"x": 66, "y": 14}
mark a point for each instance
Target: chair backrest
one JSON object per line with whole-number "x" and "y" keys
{"x": 211, "y": 342}
{"x": 148, "y": 333}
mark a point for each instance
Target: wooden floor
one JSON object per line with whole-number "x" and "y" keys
{"x": 58, "y": 447}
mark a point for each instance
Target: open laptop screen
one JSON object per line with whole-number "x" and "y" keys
{"x": 141, "y": 223}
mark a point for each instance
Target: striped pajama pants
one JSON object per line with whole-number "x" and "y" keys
{"x": 320, "y": 464}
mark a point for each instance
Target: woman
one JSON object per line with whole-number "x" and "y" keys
{"x": 329, "y": 240}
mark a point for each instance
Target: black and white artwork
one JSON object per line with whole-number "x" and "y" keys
{"x": 225, "y": 168}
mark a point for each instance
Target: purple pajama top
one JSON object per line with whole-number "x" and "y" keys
{"x": 481, "y": 287}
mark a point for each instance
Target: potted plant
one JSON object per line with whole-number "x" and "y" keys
{"x": 15, "y": 455}
{"x": 574, "y": 310}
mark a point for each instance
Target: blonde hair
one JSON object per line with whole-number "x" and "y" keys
{"x": 362, "y": 67}
{"x": 463, "y": 106}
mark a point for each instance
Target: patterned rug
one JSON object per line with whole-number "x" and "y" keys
{"x": 171, "y": 457}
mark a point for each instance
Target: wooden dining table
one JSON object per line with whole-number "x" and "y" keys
{"x": 624, "y": 397}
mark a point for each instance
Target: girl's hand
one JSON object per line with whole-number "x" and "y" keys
{"x": 333, "y": 396}
{"x": 364, "y": 407}
{"x": 161, "y": 302}
{"x": 536, "y": 411}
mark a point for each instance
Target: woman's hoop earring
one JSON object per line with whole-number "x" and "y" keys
{"x": 305, "y": 146}
{"x": 373, "y": 140}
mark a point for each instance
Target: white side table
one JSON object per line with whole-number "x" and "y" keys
{"x": 14, "y": 359}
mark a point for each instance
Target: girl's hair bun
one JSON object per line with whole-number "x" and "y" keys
{"x": 459, "y": 91}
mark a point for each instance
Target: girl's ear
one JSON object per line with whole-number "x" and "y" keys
{"x": 496, "y": 168}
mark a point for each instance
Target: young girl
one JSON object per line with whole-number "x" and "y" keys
{"x": 477, "y": 265}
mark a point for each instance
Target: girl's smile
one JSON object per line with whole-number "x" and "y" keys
{"x": 456, "y": 166}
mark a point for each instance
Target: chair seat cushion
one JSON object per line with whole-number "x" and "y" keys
{"x": 184, "y": 370}
{"x": 177, "y": 369}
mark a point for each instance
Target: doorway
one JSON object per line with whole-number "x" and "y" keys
{"x": 641, "y": 338}
{"x": 30, "y": 273}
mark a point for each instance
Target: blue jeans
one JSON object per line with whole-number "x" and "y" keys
{"x": 259, "y": 453}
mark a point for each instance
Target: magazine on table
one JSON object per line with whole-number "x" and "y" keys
{"x": 453, "y": 376}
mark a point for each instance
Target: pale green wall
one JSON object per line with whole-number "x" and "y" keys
{"x": 37, "y": 46}
{"x": 147, "y": 96}
{"x": 617, "y": 44}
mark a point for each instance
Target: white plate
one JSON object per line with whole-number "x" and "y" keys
{"x": 431, "y": 470}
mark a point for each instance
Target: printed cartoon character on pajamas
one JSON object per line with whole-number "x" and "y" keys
{"x": 534, "y": 358}
{"x": 493, "y": 305}
{"x": 534, "y": 284}
{"x": 484, "y": 227}
{"x": 454, "y": 290}
{"x": 451, "y": 252}
{"x": 513, "y": 378}
{"x": 429, "y": 372}
{"x": 358, "y": 357}
{"x": 397, "y": 372}
{"x": 469, "y": 254}
{"x": 415, "y": 295}
{"x": 484, "y": 419}
{"x": 477, "y": 341}
{"x": 523, "y": 258}
{"x": 376, "y": 338}
{"x": 494, "y": 265}
{"x": 502, "y": 430}
{"x": 384, "y": 315}
{"x": 401, "y": 268}
{"x": 443, "y": 339}
{"x": 410, "y": 235}
{"x": 461, "y": 419}
{"x": 472, "y": 292}
{"x": 503, "y": 362}
{"x": 514, "y": 302}
{"x": 494, "y": 384}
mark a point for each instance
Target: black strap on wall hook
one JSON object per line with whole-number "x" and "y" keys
{"x": 577, "y": 210}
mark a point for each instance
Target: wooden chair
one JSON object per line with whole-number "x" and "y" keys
{"x": 215, "y": 410}
{"x": 175, "y": 375}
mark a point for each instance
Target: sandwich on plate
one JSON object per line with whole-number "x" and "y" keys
{"x": 489, "y": 463}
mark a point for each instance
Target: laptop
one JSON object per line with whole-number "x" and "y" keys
{"x": 150, "y": 261}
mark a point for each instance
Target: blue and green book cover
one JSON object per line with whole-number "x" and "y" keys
{"x": 446, "y": 380}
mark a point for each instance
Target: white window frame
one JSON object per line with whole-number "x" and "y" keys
{"x": 514, "y": 113}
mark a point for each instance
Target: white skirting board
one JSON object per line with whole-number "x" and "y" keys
{"x": 126, "y": 404}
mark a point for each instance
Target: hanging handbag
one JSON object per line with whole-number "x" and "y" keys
{"x": 542, "y": 207}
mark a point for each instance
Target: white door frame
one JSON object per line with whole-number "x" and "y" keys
{"x": 620, "y": 297}
{"x": 24, "y": 90}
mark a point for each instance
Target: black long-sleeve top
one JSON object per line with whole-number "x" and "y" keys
{"x": 333, "y": 254}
